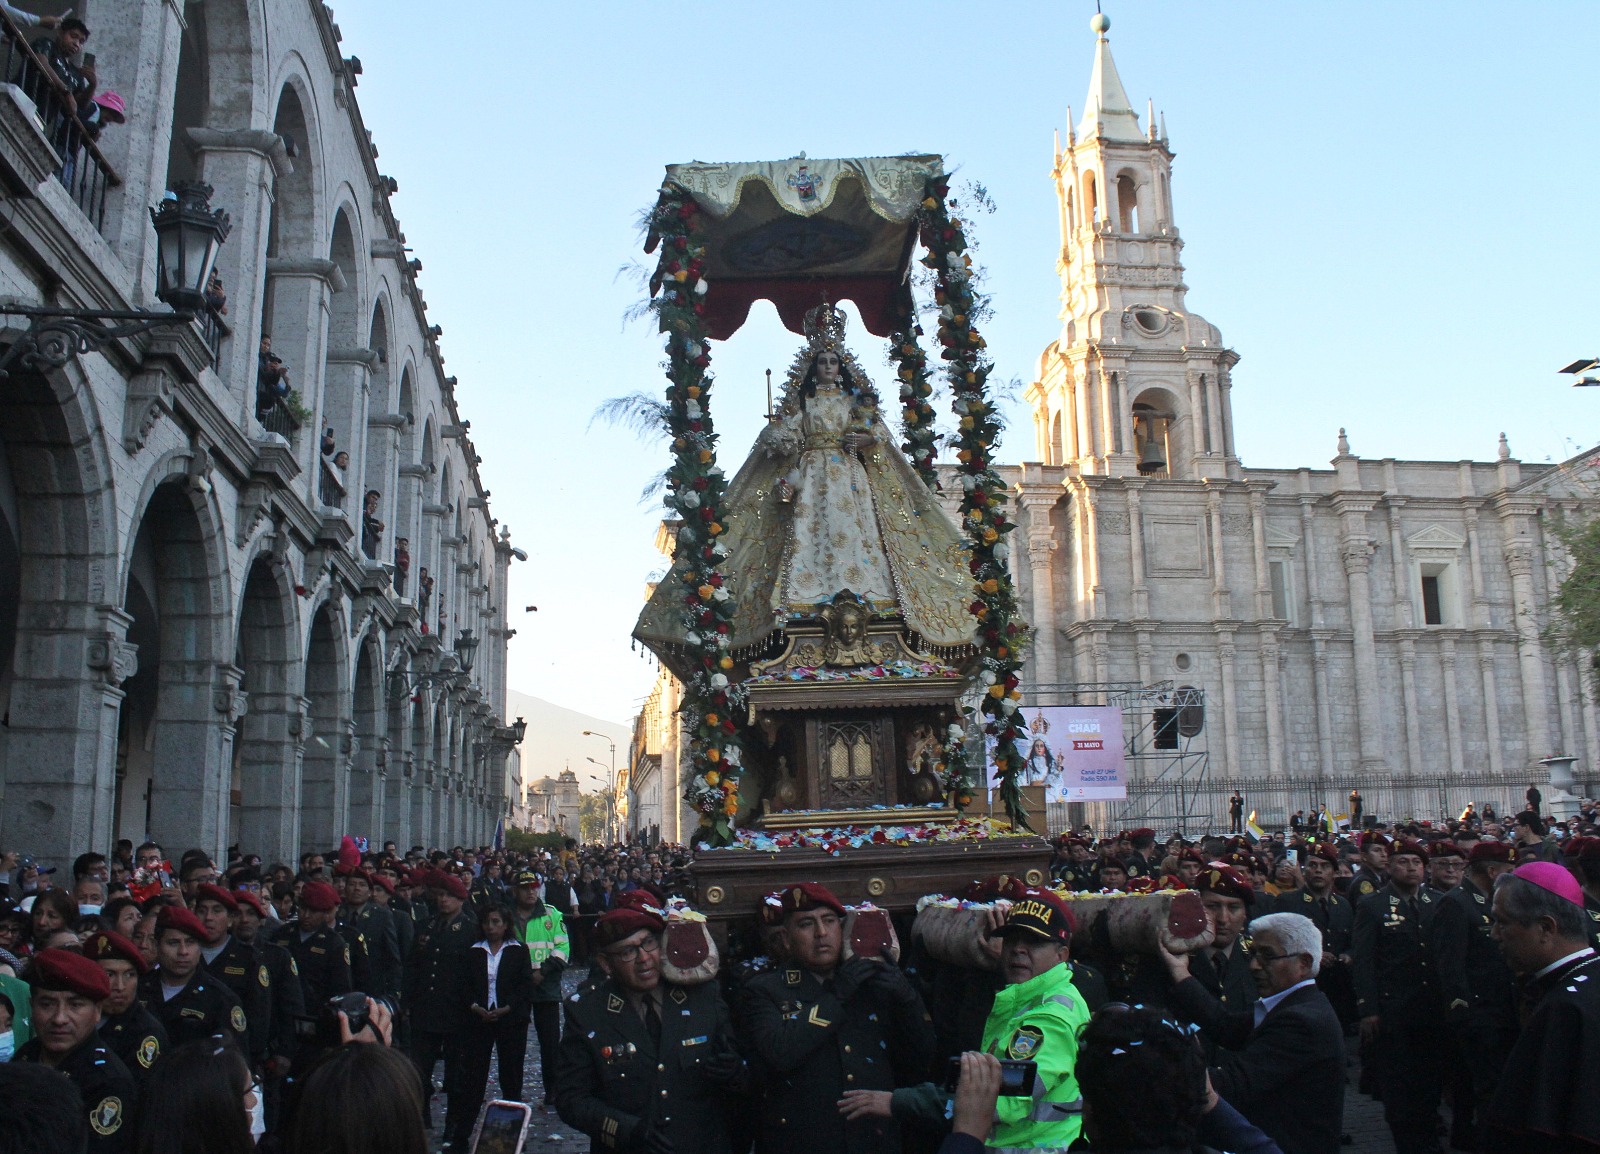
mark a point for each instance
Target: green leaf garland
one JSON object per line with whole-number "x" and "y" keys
{"x": 1002, "y": 633}
{"x": 917, "y": 413}
{"x": 696, "y": 489}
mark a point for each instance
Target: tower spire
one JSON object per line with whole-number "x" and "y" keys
{"x": 1109, "y": 114}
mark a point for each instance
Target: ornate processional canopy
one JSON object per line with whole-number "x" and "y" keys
{"x": 799, "y": 230}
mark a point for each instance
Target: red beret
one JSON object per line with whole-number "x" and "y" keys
{"x": 1442, "y": 849}
{"x": 992, "y": 887}
{"x": 383, "y": 880}
{"x": 640, "y": 899}
{"x": 1325, "y": 851}
{"x": 253, "y": 900}
{"x": 216, "y": 894}
{"x": 319, "y": 896}
{"x": 1372, "y": 837}
{"x": 1041, "y": 913}
{"x": 449, "y": 884}
{"x": 66, "y": 970}
{"x": 614, "y": 925}
{"x": 1582, "y": 848}
{"x": 810, "y": 896}
{"x": 1193, "y": 855}
{"x": 1490, "y": 851}
{"x": 180, "y": 919}
{"x": 1141, "y": 834}
{"x": 1408, "y": 845}
{"x": 106, "y": 946}
{"x": 771, "y": 909}
{"x": 1222, "y": 879}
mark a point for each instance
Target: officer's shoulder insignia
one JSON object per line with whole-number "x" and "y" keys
{"x": 791, "y": 977}
{"x": 237, "y": 1020}
{"x": 678, "y": 996}
{"x": 293, "y": 969}
{"x": 262, "y": 976}
{"x": 106, "y": 1118}
{"x": 347, "y": 955}
{"x": 1025, "y": 1043}
{"x": 147, "y": 1053}
{"x": 614, "y": 1003}
{"x": 1481, "y": 900}
{"x": 1424, "y": 896}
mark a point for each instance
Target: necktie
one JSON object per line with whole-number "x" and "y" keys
{"x": 652, "y": 1021}
{"x": 1219, "y": 962}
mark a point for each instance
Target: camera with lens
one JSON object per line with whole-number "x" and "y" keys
{"x": 322, "y": 1030}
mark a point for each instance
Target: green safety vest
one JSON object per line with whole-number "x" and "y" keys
{"x": 1038, "y": 1020}
{"x": 546, "y": 937}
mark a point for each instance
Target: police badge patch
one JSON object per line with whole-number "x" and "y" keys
{"x": 237, "y": 1020}
{"x": 147, "y": 1053}
{"x": 263, "y": 977}
{"x": 106, "y": 1118}
{"x": 1025, "y": 1043}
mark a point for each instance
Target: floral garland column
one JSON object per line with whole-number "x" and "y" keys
{"x": 1002, "y": 632}
{"x": 696, "y": 489}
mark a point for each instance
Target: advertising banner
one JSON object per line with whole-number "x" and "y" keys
{"x": 1076, "y": 753}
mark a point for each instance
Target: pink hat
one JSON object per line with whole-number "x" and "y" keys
{"x": 1547, "y": 875}
{"x": 112, "y": 107}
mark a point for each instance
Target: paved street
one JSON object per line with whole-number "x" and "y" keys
{"x": 549, "y": 1135}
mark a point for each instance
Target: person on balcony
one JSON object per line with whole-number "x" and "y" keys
{"x": 272, "y": 379}
{"x": 58, "y": 52}
{"x": 371, "y": 526}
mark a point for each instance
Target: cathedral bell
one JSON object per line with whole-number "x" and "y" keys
{"x": 1149, "y": 431}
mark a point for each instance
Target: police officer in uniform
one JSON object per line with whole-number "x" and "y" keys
{"x": 646, "y": 1065}
{"x": 1475, "y": 985}
{"x": 377, "y": 939}
{"x": 1581, "y": 855}
{"x": 283, "y": 977}
{"x": 435, "y": 978}
{"x": 320, "y": 954}
{"x": 1142, "y": 862}
{"x": 67, "y": 991}
{"x": 185, "y": 998}
{"x": 823, "y": 1026}
{"x": 1373, "y": 870}
{"x": 1223, "y": 967}
{"x": 1333, "y": 914}
{"x": 1397, "y": 996}
{"x": 127, "y": 1028}
{"x": 237, "y": 966}
{"x": 542, "y": 928}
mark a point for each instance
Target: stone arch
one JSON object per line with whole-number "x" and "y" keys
{"x": 347, "y": 364}
{"x": 330, "y": 744}
{"x": 385, "y": 424}
{"x": 371, "y": 763}
{"x": 440, "y": 754}
{"x": 1127, "y": 202}
{"x": 270, "y": 742}
{"x": 423, "y": 773}
{"x": 174, "y": 742}
{"x": 1160, "y": 429}
{"x": 292, "y": 229}
{"x": 67, "y": 650}
{"x": 220, "y": 84}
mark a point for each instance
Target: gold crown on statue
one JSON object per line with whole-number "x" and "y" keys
{"x": 1040, "y": 725}
{"x": 824, "y": 328}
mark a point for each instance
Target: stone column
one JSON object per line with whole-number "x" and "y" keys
{"x": 242, "y": 165}
{"x": 1201, "y": 436}
{"x": 1041, "y": 573}
{"x": 301, "y": 294}
{"x": 1221, "y": 597}
{"x": 1491, "y": 701}
{"x": 194, "y": 733}
{"x": 1141, "y": 591}
{"x": 1226, "y": 651}
{"x": 62, "y": 742}
{"x": 1213, "y": 391}
{"x": 1324, "y": 691}
{"x": 1144, "y": 652}
{"x": 1452, "y": 705}
{"x": 1277, "y": 763}
{"x": 1258, "y": 542}
{"x": 1356, "y": 552}
{"x": 1408, "y": 691}
{"x": 272, "y": 745}
{"x": 397, "y": 802}
{"x": 1530, "y": 656}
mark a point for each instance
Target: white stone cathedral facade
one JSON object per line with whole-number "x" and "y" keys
{"x": 1376, "y": 623}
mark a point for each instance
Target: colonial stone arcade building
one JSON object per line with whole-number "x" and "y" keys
{"x": 1375, "y": 623}
{"x": 228, "y": 617}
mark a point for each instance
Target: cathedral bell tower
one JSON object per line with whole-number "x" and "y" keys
{"x": 1135, "y": 384}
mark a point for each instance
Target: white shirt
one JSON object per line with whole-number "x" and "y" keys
{"x": 1561, "y": 962}
{"x": 1266, "y": 1005}
{"x": 494, "y": 967}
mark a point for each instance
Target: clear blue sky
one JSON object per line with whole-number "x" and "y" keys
{"x": 1388, "y": 209}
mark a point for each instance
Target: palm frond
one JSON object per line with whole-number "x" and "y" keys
{"x": 639, "y": 413}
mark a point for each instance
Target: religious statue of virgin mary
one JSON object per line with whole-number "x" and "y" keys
{"x": 826, "y": 504}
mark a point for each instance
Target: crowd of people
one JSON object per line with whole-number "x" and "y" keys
{"x": 153, "y": 1007}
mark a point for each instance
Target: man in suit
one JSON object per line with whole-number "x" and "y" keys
{"x": 1281, "y": 1062}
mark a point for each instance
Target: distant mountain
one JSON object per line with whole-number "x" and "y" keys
{"x": 555, "y": 741}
